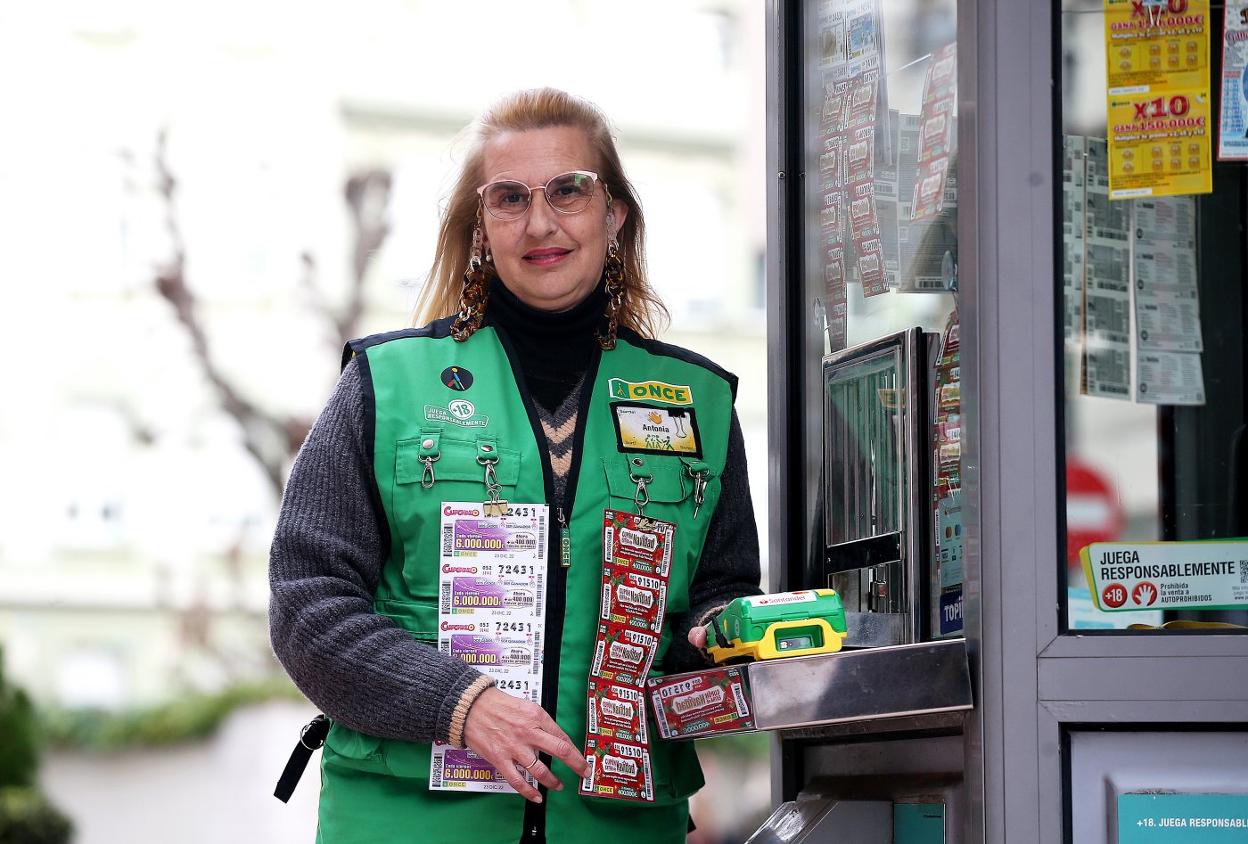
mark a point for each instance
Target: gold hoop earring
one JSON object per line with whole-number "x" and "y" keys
{"x": 475, "y": 294}
{"x": 616, "y": 289}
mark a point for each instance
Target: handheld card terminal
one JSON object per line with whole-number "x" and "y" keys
{"x": 809, "y": 621}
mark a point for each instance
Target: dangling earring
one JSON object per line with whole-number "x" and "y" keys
{"x": 613, "y": 275}
{"x": 475, "y": 294}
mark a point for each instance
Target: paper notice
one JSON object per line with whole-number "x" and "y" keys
{"x": 1168, "y": 219}
{"x": 1233, "y": 126}
{"x": 1107, "y": 291}
{"x": 1169, "y": 378}
{"x": 1074, "y": 150}
{"x": 887, "y": 207}
{"x": 1167, "y": 303}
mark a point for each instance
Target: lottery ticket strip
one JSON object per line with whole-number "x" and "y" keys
{"x": 491, "y": 611}
{"x": 636, "y": 565}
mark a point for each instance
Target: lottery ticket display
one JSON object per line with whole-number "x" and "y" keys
{"x": 936, "y": 135}
{"x": 947, "y": 480}
{"x": 491, "y": 611}
{"x": 636, "y": 565}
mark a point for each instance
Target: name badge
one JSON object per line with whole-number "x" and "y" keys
{"x": 643, "y": 429}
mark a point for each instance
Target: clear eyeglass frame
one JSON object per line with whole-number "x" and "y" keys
{"x": 580, "y": 202}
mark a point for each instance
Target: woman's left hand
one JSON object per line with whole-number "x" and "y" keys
{"x": 697, "y": 637}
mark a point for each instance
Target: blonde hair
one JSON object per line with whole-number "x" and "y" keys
{"x": 539, "y": 108}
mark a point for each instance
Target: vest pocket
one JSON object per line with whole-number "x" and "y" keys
{"x": 665, "y": 479}
{"x": 389, "y": 756}
{"x": 345, "y": 746}
{"x": 456, "y": 460}
{"x": 420, "y": 618}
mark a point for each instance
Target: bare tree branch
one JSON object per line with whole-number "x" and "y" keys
{"x": 272, "y": 439}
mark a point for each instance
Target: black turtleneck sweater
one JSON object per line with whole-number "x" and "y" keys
{"x": 328, "y": 550}
{"x": 553, "y": 348}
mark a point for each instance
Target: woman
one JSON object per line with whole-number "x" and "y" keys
{"x": 525, "y": 380}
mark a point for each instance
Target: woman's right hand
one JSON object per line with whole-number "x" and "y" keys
{"x": 509, "y": 732}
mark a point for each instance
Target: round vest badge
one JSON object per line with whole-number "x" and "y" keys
{"x": 457, "y": 378}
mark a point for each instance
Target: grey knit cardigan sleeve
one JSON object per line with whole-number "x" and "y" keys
{"x": 328, "y": 550}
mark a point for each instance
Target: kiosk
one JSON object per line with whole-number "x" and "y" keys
{"x": 966, "y": 310}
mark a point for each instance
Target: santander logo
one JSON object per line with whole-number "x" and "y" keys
{"x": 446, "y": 625}
{"x": 452, "y": 511}
{"x": 447, "y": 568}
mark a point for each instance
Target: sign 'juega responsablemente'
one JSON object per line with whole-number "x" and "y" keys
{"x": 1167, "y": 575}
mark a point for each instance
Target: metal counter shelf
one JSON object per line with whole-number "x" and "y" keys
{"x": 925, "y": 687}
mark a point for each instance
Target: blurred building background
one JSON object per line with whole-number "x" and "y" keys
{"x": 198, "y": 204}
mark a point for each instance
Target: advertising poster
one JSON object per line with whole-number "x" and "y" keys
{"x": 1233, "y": 128}
{"x": 1107, "y": 284}
{"x": 1159, "y": 143}
{"x": 1158, "y": 97}
{"x": 1150, "y": 45}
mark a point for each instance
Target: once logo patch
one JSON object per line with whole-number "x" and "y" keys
{"x": 457, "y": 378}
{"x": 645, "y": 429}
{"x": 650, "y": 391}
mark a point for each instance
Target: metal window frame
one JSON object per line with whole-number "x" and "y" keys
{"x": 1033, "y": 682}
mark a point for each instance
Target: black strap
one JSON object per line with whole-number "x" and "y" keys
{"x": 311, "y": 737}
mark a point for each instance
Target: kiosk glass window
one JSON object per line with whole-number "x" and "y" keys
{"x": 880, "y": 270}
{"x": 1152, "y": 196}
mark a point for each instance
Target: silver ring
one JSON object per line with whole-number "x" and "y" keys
{"x": 536, "y": 758}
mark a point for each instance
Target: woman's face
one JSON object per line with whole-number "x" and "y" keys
{"x": 548, "y": 259}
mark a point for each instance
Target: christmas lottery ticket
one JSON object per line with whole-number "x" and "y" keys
{"x": 643, "y": 545}
{"x": 701, "y": 703}
{"x": 616, "y": 712}
{"x": 633, "y": 599}
{"x": 618, "y": 769}
{"x": 491, "y": 612}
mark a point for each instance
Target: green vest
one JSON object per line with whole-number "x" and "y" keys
{"x": 376, "y": 790}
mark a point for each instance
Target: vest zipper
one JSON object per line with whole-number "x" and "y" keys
{"x": 534, "y": 828}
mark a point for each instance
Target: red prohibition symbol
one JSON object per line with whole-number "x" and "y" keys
{"x": 1144, "y": 594}
{"x": 1114, "y": 595}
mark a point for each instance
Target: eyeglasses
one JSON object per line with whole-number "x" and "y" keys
{"x": 567, "y": 193}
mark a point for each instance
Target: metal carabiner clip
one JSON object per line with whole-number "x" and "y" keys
{"x": 642, "y": 496}
{"x": 427, "y": 478}
{"x": 699, "y": 491}
{"x": 493, "y": 506}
